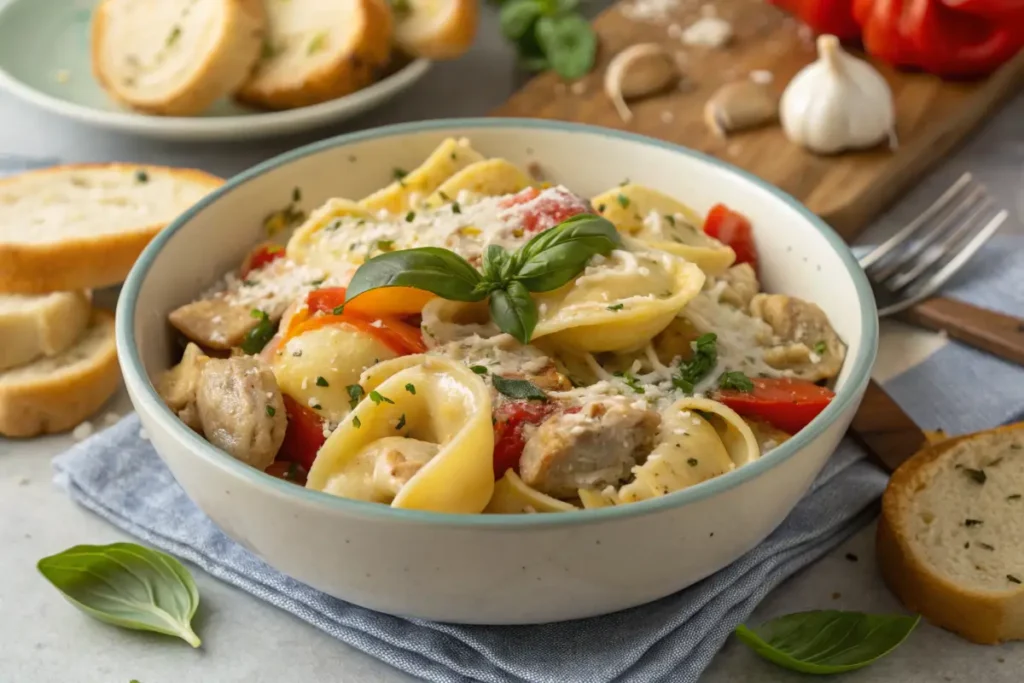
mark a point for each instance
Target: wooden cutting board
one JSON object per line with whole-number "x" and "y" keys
{"x": 847, "y": 190}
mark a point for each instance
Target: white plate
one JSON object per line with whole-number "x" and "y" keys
{"x": 44, "y": 59}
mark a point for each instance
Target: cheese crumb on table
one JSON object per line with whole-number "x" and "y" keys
{"x": 707, "y": 32}
{"x": 83, "y": 431}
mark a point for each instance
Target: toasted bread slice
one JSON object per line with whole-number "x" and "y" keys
{"x": 951, "y": 536}
{"x": 175, "y": 57}
{"x": 82, "y": 227}
{"x": 316, "y": 51}
{"x": 435, "y": 29}
{"x": 44, "y": 325}
{"x": 55, "y": 394}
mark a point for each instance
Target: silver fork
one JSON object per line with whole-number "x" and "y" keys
{"x": 911, "y": 266}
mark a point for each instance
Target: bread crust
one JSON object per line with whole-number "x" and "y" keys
{"x": 62, "y": 400}
{"x": 221, "y": 71}
{"x": 453, "y": 39}
{"x": 984, "y": 617}
{"x": 351, "y": 71}
{"x": 46, "y": 331}
{"x": 82, "y": 263}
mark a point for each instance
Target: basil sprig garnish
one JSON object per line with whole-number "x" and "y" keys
{"x": 127, "y": 585}
{"x": 828, "y": 641}
{"x": 549, "y": 260}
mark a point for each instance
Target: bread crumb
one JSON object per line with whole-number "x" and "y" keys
{"x": 111, "y": 419}
{"x": 578, "y": 88}
{"x": 63, "y": 76}
{"x": 82, "y": 431}
{"x": 708, "y": 31}
{"x": 667, "y": 117}
{"x": 762, "y": 76}
{"x": 24, "y": 481}
{"x": 143, "y": 434}
{"x": 836, "y": 596}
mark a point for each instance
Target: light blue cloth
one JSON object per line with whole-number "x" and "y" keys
{"x": 119, "y": 476}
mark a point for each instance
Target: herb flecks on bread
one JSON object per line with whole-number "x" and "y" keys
{"x": 951, "y": 537}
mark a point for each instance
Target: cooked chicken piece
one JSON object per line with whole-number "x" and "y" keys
{"x": 676, "y": 341}
{"x": 177, "y": 386}
{"x": 398, "y": 460}
{"x": 740, "y": 286}
{"x": 214, "y": 323}
{"x": 591, "y": 449}
{"x": 802, "y": 339}
{"x": 241, "y": 409}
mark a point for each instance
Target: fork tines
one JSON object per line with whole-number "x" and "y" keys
{"x": 924, "y": 254}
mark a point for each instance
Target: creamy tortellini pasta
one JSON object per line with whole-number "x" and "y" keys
{"x": 470, "y": 340}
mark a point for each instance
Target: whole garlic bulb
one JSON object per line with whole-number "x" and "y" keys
{"x": 839, "y": 102}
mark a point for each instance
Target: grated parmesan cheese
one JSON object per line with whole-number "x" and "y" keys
{"x": 708, "y": 31}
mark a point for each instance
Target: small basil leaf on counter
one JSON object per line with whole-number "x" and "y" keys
{"x": 518, "y": 16}
{"x": 569, "y": 43}
{"x": 554, "y": 257}
{"x": 259, "y": 336}
{"x": 518, "y": 388}
{"x": 829, "y": 641}
{"x": 514, "y": 311}
{"x": 432, "y": 269}
{"x": 127, "y": 585}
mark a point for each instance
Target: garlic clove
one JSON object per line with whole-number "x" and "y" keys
{"x": 837, "y": 103}
{"x": 740, "y": 105}
{"x": 638, "y": 71}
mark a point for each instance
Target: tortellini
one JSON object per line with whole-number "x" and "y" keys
{"x": 664, "y": 223}
{"x": 620, "y": 302}
{"x": 421, "y": 439}
{"x": 513, "y": 496}
{"x": 700, "y": 439}
{"x": 315, "y": 367}
{"x": 311, "y": 243}
{"x": 404, "y": 193}
{"x": 489, "y": 178}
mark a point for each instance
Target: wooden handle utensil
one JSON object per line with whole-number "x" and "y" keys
{"x": 999, "y": 334}
{"x": 888, "y": 433}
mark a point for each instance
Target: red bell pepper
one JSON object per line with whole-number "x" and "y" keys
{"x": 734, "y": 230}
{"x": 947, "y": 38}
{"x": 786, "y": 404}
{"x": 824, "y": 16}
{"x": 260, "y": 256}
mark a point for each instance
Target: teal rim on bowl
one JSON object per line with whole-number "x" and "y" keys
{"x": 135, "y": 375}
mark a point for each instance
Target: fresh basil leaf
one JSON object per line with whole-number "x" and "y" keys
{"x": 553, "y": 257}
{"x": 514, "y": 312}
{"x": 259, "y": 336}
{"x": 569, "y": 43}
{"x": 828, "y": 641}
{"x": 518, "y": 16}
{"x": 497, "y": 263}
{"x": 127, "y": 585}
{"x": 432, "y": 269}
{"x": 518, "y": 388}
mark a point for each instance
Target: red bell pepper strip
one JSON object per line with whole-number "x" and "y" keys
{"x": 304, "y": 435}
{"x": 733, "y": 229}
{"x": 786, "y": 404}
{"x": 262, "y": 255}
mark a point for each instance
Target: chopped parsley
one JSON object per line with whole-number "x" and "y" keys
{"x": 601, "y": 208}
{"x": 411, "y": 388}
{"x": 737, "y": 381}
{"x": 317, "y": 406}
{"x": 986, "y": 546}
{"x": 616, "y": 307}
{"x": 386, "y": 245}
{"x": 518, "y": 388}
{"x": 398, "y": 173}
{"x": 705, "y": 356}
{"x": 444, "y": 196}
{"x": 478, "y": 369}
{"x": 692, "y": 462}
{"x": 355, "y": 394}
{"x": 456, "y": 208}
{"x": 623, "y": 200}
{"x": 631, "y": 381}
{"x": 1013, "y": 496}
{"x": 321, "y": 382}
{"x": 141, "y": 176}
{"x": 410, "y": 217}
{"x": 1012, "y": 579}
{"x": 401, "y": 422}
{"x": 379, "y": 398}
{"x": 624, "y": 182}
{"x": 820, "y": 348}
{"x": 271, "y": 411}
{"x": 978, "y": 476}
{"x": 174, "y": 36}
{"x": 338, "y": 310}
{"x": 296, "y": 194}
{"x": 318, "y": 43}
{"x": 671, "y": 219}
{"x": 973, "y": 522}
{"x": 355, "y": 422}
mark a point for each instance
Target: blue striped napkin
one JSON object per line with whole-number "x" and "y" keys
{"x": 118, "y": 476}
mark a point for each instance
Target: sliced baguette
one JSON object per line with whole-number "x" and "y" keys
{"x": 951, "y": 536}
{"x": 44, "y": 325}
{"x": 82, "y": 227}
{"x": 175, "y": 57}
{"x": 436, "y": 29}
{"x": 55, "y": 394}
{"x": 318, "y": 50}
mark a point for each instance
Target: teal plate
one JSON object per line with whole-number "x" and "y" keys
{"x": 44, "y": 59}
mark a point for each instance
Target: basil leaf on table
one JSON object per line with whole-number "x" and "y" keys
{"x": 569, "y": 43}
{"x": 553, "y": 257}
{"x": 828, "y": 641}
{"x": 518, "y": 388}
{"x": 433, "y": 269}
{"x": 127, "y": 585}
{"x": 518, "y": 17}
{"x": 514, "y": 312}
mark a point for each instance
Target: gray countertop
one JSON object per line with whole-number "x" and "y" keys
{"x": 43, "y": 640}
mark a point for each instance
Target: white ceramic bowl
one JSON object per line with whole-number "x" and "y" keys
{"x": 482, "y": 568}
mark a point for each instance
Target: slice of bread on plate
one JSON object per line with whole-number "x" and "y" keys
{"x": 175, "y": 57}
{"x": 951, "y": 536}
{"x": 55, "y": 394}
{"x": 435, "y": 29}
{"x": 319, "y": 50}
{"x": 82, "y": 226}
{"x": 32, "y": 326}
